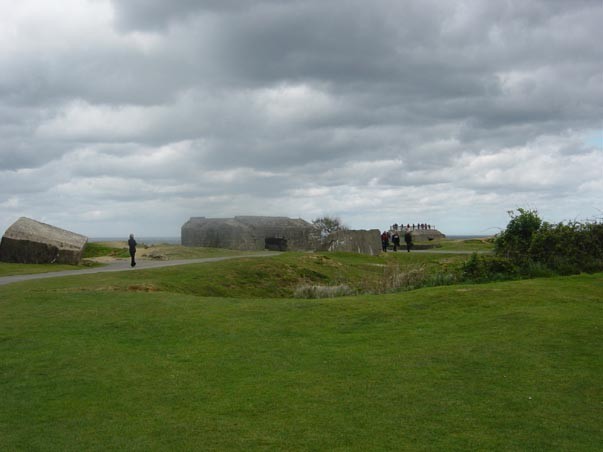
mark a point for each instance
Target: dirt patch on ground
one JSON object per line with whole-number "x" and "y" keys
{"x": 143, "y": 288}
{"x": 153, "y": 254}
{"x": 106, "y": 259}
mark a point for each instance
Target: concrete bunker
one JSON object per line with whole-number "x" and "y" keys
{"x": 28, "y": 241}
{"x": 251, "y": 233}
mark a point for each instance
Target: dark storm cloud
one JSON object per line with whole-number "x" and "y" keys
{"x": 493, "y": 66}
{"x": 156, "y": 15}
{"x": 224, "y": 107}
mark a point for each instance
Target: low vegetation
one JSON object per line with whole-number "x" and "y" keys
{"x": 531, "y": 247}
{"x": 286, "y": 274}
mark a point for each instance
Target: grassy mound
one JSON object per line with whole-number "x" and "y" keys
{"x": 140, "y": 361}
{"x": 284, "y": 275}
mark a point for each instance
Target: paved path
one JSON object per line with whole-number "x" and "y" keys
{"x": 124, "y": 265}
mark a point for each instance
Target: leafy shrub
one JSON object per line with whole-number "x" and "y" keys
{"x": 515, "y": 241}
{"x": 410, "y": 279}
{"x": 395, "y": 279}
{"x": 441, "y": 279}
{"x": 538, "y": 247}
{"x": 487, "y": 268}
{"x": 569, "y": 248}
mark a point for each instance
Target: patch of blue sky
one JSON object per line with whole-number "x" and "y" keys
{"x": 595, "y": 139}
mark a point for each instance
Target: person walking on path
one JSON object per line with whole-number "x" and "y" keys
{"x": 384, "y": 241}
{"x": 132, "y": 246}
{"x": 408, "y": 239}
{"x": 396, "y": 240}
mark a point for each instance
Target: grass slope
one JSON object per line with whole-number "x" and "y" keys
{"x": 9, "y": 269}
{"x": 279, "y": 275}
{"x": 165, "y": 251}
{"x": 119, "y": 250}
{"x": 506, "y": 366}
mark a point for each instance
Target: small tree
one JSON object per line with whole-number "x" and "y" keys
{"x": 514, "y": 242}
{"x": 327, "y": 224}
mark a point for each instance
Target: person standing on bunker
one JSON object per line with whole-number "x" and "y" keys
{"x": 132, "y": 246}
{"x": 396, "y": 240}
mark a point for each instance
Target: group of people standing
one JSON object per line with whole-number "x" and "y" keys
{"x": 395, "y": 239}
{"x": 418, "y": 226}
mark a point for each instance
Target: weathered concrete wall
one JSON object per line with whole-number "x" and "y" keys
{"x": 353, "y": 241}
{"x": 248, "y": 232}
{"x": 424, "y": 235}
{"x": 30, "y": 242}
{"x": 217, "y": 233}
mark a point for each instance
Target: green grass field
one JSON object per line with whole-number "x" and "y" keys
{"x": 145, "y": 360}
{"x": 166, "y": 251}
{"x": 118, "y": 250}
{"x": 477, "y": 245}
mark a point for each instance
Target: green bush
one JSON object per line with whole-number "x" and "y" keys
{"x": 569, "y": 248}
{"x": 515, "y": 241}
{"x": 537, "y": 247}
{"x": 487, "y": 268}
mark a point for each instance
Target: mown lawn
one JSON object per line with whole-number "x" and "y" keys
{"x": 93, "y": 363}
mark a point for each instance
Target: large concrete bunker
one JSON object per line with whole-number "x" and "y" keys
{"x": 250, "y": 233}
{"x": 28, "y": 241}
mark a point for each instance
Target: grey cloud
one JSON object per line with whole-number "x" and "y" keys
{"x": 112, "y": 75}
{"x": 156, "y": 15}
{"x": 219, "y": 106}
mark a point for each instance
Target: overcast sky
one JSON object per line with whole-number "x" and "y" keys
{"x": 120, "y": 116}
